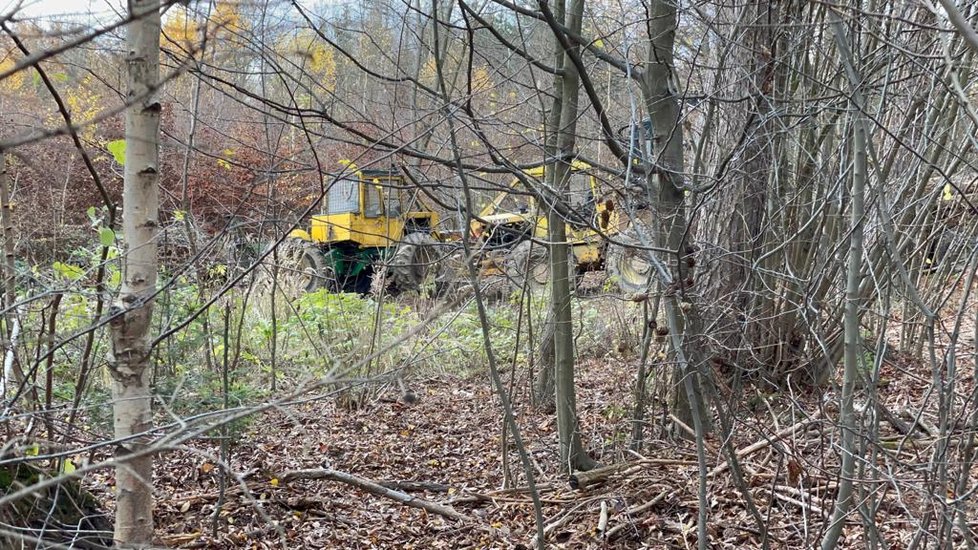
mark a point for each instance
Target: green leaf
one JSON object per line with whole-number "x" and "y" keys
{"x": 118, "y": 150}
{"x": 106, "y": 236}
{"x": 68, "y": 467}
{"x": 115, "y": 279}
{"x": 179, "y": 215}
{"x": 91, "y": 213}
{"x": 68, "y": 271}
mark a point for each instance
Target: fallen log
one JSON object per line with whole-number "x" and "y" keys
{"x": 375, "y": 488}
{"x": 582, "y": 480}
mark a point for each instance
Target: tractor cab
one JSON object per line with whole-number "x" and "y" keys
{"x": 370, "y": 218}
{"x": 367, "y": 208}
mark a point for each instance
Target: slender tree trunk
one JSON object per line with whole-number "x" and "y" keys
{"x": 543, "y": 386}
{"x": 12, "y": 375}
{"x": 131, "y": 316}
{"x": 852, "y": 339}
{"x": 546, "y": 392}
{"x": 659, "y": 88}
{"x": 572, "y": 453}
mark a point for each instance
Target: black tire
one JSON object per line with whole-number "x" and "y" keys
{"x": 303, "y": 266}
{"x": 316, "y": 269}
{"x": 528, "y": 264}
{"x": 627, "y": 264}
{"x": 413, "y": 262}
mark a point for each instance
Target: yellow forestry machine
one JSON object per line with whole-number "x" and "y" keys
{"x": 511, "y": 230}
{"x": 367, "y": 229}
{"x": 373, "y": 234}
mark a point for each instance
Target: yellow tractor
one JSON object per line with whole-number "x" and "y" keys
{"x": 366, "y": 226}
{"x": 508, "y": 225}
{"x": 370, "y": 229}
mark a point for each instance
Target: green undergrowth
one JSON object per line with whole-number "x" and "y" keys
{"x": 232, "y": 351}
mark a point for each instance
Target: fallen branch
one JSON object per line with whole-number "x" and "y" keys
{"x": 812, "y": 508}
{"x": 766, "y": 442}
{"x": 634, "y": 510}
{"x": 603, "y": 519}
{"x": 375, "y": 488}
{"x": 581, "y": 480}
{"x": 410, "y": 486}
{"x": 560, "y": 522}
{"x": 899, "y": 425}
{"x": 918, "y": 421}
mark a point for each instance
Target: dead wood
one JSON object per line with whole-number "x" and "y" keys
{"x": 408, "y": 486}
{"x": 634, "y": 511}
{"x": 582, "y": 480}
{"x": 375, "y": 488}
{"x": 766, "y": 442}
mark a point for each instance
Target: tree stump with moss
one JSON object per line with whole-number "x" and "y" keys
{"x": 62, "y": 514}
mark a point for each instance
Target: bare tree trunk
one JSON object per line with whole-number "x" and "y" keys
{"x": 545, "y": 390}
{"x": 132, "y": 315}
{"x": 12, "y": 374}
{"x": 659, "y": 88}
{"x": 543, "y": 386}
{"x": 853, "y": 342}
{"x": 572, "y": 453}
{"x": 752, "y": 177}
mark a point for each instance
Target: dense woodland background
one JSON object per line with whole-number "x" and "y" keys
{"x": 800, "y": 179}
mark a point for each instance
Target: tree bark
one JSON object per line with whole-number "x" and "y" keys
{"x": 543, "y": 386}
{"x": 12, "y": 375}
{"x": 572, "y": 453}
{"x": 659, "y": 89}
{"x": 129, "y": 359}
{"x": 853, "y": 341}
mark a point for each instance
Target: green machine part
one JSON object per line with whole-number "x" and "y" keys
{"x": 352, "y": 266}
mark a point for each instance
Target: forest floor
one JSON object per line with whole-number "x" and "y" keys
{"x": 445, "y": 449}
{"x": 450, "y": 439}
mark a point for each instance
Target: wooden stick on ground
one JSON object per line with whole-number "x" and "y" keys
{"x": 633, "y": 511}
{"x": 603, "y": 519}
{"x": 766, "y": 442}
{"x": 375, "y": 488}
{"x": 582, "y": 480}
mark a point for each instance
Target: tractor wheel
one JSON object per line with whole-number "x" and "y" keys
{"x": 413, "y": 261}
{"x": 528, "y": 263}
{"x": 627, "y": 264}
{"x": 302, "y": 267}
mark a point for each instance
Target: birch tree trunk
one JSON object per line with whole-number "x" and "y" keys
{"x": 131, "y": 316}
{"x": 12, "y": 377}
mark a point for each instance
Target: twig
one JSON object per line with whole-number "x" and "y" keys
{"x": 603, "y": 518}
{"x": 635, "y": 510}
{"x": 560, "y": 522}
{"x": 812, "y": 508}
{"x": 375, "y": 488}
{"x": 766, "y": 442}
